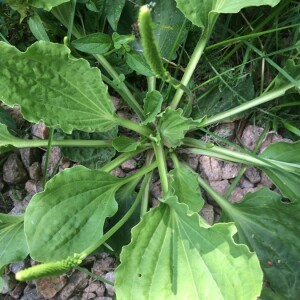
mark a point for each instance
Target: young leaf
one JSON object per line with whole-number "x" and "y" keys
{"x": 113, "y": 10}
{"x": 204, "y": 13}
{"x": 69, "y": 215}
{"x": 49, "y": 84}
{"x": 7, "y": 120}
{"x": 95, "y": 43}
{"x": 175, "y": 257}
{"x": 186, "y": 187}
{"x": 125, "y": 144}
{"x": 285, "y": 154}
{"x": 271, "y": 228}
{"x": 138, "y": 63}
{"x": 37, "y": 28}
{"x": 173, "y": 127}
{"x": 152, "y": 106}
{"x": 6, "y": 139}
{"x": 93, "y": 158}
{"x": 13, "y": 246}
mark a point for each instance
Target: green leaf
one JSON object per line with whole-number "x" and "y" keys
{"x": 284, "y": 155}
{"x": 37, "y": 28}
{"x": 169, "y": 27}
{"x": 219, "y": 99}
{"x": 138, "y": 63}
{"x": 186, "y": 187}
{"x": 46, "y": 4}
{"x": 95, "y": 43}
{"x": 292, "y": 72}
{"x": 113, "y": 10}
{"x": 6, "y": 139}
{"x": 49, "y": 84}
{"x": 175, "y": 257}
{"x": 7, "y": 120}
{"x": 271, "y": 228}
{"x": 204, "y": 13}
{"x": 68, "y": 216}
{"x": 93, "y": 158}
{"x": 122, "y": 41}
{"x": 13, "y": 246}
{"x": 152, "y": 106}
{"x": 125, "y": 197}
{"x": 173, "y": 127}
{"x": 125, "y": 144}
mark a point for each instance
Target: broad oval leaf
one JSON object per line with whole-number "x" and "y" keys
{"x": 204, "y": 13}
{"x": 13, "y": 246}
{"x": 284, "y": 155}
{"x": 173, "y": 127}
{"x": 152, "y": 106}
{"x": 50, "y": 85}
{"x": 69, "y": 215}
{"x": 271, "y": 228}
{"x": 125, "y": 144}
{"x": 171, "y": 256}
{"x": 46, "y": 4}
{"x": 90, "y": 157}
{"x": 95, "y": 43}
{"x": 186, "y": 187}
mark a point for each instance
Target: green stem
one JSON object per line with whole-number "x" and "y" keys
{"x": 224, "y": 204}
{"x": 71, "y": 19}
{"x": 116, "y": 227}
{"x": 62, "y": 143}
{"x": 145, "y": 198}
{"x": 151, "y": 81}
{"x": 47, "y": 156}
{"x": 141, "y": 129}
{"x": 245, "y": 106}
{"x": 162, "y": 167}
{"x": 127, "y": 95}
{"x": 198, "y": 51}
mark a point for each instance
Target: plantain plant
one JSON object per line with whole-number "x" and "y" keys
{"x": 172, "y": 252}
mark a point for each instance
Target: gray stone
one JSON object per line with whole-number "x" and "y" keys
{"x": 266, "y": 181}
{"x": 49, "y": 287}
{"x": 251, "y": 135}
{"x": 40, "y": 131}
{"x": 30, "y": 156}
{"x": 220, "y": 186}
{"x": 17, "y": 292}
{"x": 237, "y": 195}
{"x": 118, "y": 172}
{"x": 109, "y": 288}
{"x": 155, "y": 189}
{"x": 16, "y": 267}
{"x": 116, "y": 102}
{"x": 103, "y": 265}
{"x": 30, "y": 186}
{"x": 77, "y": 281}
{"x": 31, "y": 294}
{"x": 253, "y": 175}
{"x": 128, "y": 165}
{"x": 211, "y": 168}
{"x": 230, "y": 170}
{"x": 207, "y": 213}
{"x": 1, "y": 185}
{"x": 35, "y": 171}
{"x": 54, "y": 158}
{"x": 97, "y": 288}
{"x": 245, "y": 183}
{"x": 13, "y": 170}
{"x": 193, "y": 161}
{"x": 225, "y": 130}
